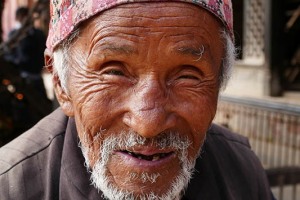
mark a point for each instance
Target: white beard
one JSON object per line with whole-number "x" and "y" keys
{"x": 99, "y": 172}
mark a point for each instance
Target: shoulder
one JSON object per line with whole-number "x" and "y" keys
{"x": 39, "y": 138}
{"x": 222, "y": 143}
{"x": 231, "y": 151}
{"x": 224, "y": 135}
{"x": 228, "y": 169}
{"x": 239, "y": 163}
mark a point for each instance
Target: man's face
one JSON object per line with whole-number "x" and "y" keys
{"x": 142, "y": 75}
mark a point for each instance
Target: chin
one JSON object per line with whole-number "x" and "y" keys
{"x": 143, "y": 187}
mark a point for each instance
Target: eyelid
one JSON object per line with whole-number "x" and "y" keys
{"x": 191, "y": 70}
{"x": 121, "y": 71}
{"x": 109, "y": 63}
{"x": 107, "y": 67}
{"x": 189, "y": 76}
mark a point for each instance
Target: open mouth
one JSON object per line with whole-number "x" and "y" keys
{"x": 154, "y": 157}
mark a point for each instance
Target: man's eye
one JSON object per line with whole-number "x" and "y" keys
{"x": 188, "y": 77}
{"x": 189, "y": 73}
{"x": 114, "y": 72}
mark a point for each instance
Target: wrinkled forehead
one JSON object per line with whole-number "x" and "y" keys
{"x": 66, "y": 15}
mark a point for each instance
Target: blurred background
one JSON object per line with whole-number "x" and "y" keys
{"x": 25, "y": 92}
{"x": 261, "y": 101}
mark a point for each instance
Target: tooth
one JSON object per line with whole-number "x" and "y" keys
{"x": 155, "y": 158}
{"x": 139, "y": 157}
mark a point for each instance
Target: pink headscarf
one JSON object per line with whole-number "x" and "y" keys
{"x": 67, "y": 14}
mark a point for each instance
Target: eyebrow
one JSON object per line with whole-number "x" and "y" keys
{"x": 195, "y": 52}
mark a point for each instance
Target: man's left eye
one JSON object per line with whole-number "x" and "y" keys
{"x": 189, "y": 73}
{"x": 188, "y": 77}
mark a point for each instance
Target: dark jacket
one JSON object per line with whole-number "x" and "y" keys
{"x": 46, "y": 163}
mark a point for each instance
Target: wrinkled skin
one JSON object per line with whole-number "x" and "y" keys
{"x": 140, "y": 67}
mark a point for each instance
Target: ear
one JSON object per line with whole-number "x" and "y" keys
{"x": 62, "y": 97}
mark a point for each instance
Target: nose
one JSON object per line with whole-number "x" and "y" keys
{"x": 149, "y": 112}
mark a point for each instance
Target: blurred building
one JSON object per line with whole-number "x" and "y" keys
{"x": 267, "y": 33}
{"x": 262, "y": 99}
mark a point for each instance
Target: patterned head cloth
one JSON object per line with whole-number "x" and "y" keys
{"x": 67, "y": 14}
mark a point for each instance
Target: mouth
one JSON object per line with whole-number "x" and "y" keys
{"x": 144, "y": 157}
{"x": 151, "y": 157}
{"x": 142, "y": 167}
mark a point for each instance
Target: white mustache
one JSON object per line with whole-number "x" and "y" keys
{"x": 126, "y": 140}
{"x": 130, "y": 139}
{"x": 164, "y": 140}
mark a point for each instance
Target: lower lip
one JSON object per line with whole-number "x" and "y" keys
{"x": 140, "y": 163}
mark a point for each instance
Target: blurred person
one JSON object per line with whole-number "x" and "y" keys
{"x": 138, "y": 84}
{"x": 28, "y": 54}
{"x": 20, "y": 16}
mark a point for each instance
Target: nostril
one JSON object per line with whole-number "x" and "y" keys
{"x": 149, "y": 123}
{"x": 127, "y": 119}
{"x": 148, "y": 114}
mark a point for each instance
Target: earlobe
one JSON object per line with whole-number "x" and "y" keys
{"x": 62, "y": 97}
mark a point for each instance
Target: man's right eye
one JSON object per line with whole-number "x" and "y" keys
{"x": 114, "y": 72}
{"x": 113, "y": 68}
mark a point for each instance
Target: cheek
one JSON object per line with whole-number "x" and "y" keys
{"x": 201, "y": 120}
{"x": 91, "y": 115}
{"x": 90, "y": 111}
{"x": 92, "y": 101}
{"x": 198, "y": 107}
{"x": 198, "y": 112}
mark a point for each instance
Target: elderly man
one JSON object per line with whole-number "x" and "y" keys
{"x": 138, "y": 84}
